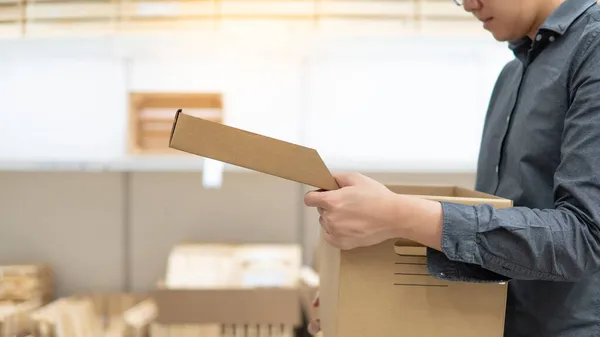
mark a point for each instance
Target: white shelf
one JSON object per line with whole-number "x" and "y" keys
{"x": 194, "y": 164}
{"x": 126, "y": 164}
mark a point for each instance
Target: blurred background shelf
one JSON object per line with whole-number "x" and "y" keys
{"x": 21, "y": 18}
{"x": 149, "y": 163}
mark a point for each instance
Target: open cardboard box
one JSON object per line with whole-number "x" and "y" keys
{"x": 384, "y": 290}
{"x": 216, "y": 287}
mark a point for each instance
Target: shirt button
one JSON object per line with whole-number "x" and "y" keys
{"x": 538, "y": 37}
{"x": 507, "y": 118}
{"x": 496, "y": 169}
{"x": 551, "y": 38}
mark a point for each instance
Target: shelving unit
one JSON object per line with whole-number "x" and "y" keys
{"x": 52, "y": 17}
{"x": 12, "y": 17}
{"x": 190, "y": 163}
{"x": 67, "y": 17}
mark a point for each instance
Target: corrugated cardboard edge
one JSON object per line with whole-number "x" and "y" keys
{"x": 179, "y": 111}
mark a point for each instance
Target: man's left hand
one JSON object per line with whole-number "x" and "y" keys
{"x": 361, "y": 213}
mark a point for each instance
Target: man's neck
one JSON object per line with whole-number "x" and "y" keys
{"x": 546, "y": 9}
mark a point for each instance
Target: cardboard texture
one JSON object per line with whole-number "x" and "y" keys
{"x": 384, "y": 290}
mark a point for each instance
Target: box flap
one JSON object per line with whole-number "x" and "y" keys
{"x": 451, "y": 194}
{"x": 250, "y": 150}
{"x": 228, "y": 306}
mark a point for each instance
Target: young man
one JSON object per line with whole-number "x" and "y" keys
{"x": 541, "y": 149}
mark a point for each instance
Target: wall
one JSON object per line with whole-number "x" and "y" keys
{"x": 391, "y": 90}
{"x": 113, "y": 231}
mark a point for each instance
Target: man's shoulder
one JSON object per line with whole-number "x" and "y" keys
{"x": 593, "y": 13}
{"x": 587, "y": 31}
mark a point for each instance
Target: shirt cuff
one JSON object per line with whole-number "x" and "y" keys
{"x": 459, "y": 232}
{"x": 460, "y": 259}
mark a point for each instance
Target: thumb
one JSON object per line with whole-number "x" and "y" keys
{"x": 347, "y": 179}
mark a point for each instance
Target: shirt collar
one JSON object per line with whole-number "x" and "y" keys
{"x": 558, "y": 22}
{"x": 564, "y": 15}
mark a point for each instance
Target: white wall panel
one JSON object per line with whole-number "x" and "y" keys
{"x": 61, "y": 108}
{"x": 389, "y": 103}
{"x": 409, "y": 109}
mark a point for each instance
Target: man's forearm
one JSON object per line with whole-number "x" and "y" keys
{"x": 419, "y": 220}
{"x": 520, "y": 243}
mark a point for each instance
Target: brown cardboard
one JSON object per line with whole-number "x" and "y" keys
{"x": 383, "y": 290}
{"x": 250, "y": 150}
{"x": 398, "y": 294}
{"x": 228, "y": 306}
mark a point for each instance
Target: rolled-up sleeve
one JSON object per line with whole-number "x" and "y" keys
{"x": 558, "y": 244}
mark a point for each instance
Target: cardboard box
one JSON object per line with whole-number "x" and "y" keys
{"x": 97, "y": 314}
{"x": 384, "y": 290}
{"x": 398, "y": 293}
{"x": 250, "y": 289}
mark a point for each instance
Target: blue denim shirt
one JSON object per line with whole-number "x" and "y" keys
{"x": 540, "y": 148}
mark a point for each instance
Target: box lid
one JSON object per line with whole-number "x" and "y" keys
{"x": 250, "y": 150}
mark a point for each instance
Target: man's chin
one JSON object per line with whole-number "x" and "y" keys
{"x": 498, "y": 36}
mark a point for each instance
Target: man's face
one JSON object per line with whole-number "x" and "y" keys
{"x": 507, "y": 19}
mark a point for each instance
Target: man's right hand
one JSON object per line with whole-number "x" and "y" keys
{"x": 314, "y": 327}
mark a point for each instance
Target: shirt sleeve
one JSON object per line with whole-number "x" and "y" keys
{"x": 558, "y": 244}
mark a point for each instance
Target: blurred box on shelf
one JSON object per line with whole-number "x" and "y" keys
{"x": 15, "y": 317}
{"x": 89, "y": 315}
{"x": 377, "y": 290}
{"x": 151, "y": 115}
{"x": 229, "y": 290}
{"x": 23, "y": 289}
{"x": 26, "y": 282}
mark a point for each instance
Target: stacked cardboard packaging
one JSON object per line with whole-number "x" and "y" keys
{"x": 23, "y": 289}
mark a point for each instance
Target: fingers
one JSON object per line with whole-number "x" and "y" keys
{"x": 329, "y": 238}
{"x": 314, "y": 327}
{"x": 347, "y": 179}
{"x": 326, "y": 226}
{"x": 316, "y": 199}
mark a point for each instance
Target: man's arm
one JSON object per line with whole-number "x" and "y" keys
{"x": 559, "y": 244}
